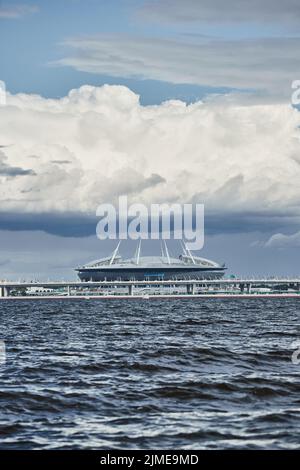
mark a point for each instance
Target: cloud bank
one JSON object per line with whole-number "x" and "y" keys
{"x": 67, "y": 156}
{"x": 265, "y": 64}
{"x": 285, "y": 13}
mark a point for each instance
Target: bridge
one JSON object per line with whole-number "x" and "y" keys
{"x": 238, "y": 286}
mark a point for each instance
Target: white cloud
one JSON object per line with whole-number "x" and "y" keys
{"x": 279, "y": 240}
{"x": 70, "y": 154}
{"x": 263, "y": 64}
{"x": 16, "y": 11}
{"x": 217, "y": 11}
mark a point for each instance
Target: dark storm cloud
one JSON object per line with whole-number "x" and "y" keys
{"x": 246, "y": 222}
{"x": 6, "y": 170}
{"x": 81, "y": 225}
{"x": 12, "y": 171}
{"x": 64, "y": 225}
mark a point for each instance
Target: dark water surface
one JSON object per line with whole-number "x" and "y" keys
{"x": 187, "y": 374}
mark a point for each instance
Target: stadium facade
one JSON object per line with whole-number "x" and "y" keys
{"x": 164, "y": 267}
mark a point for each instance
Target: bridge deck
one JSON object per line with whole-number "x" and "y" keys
{"x": 288, "y": 287}
{"x": 151, "y": 297}
{"x": 184, "y": 282}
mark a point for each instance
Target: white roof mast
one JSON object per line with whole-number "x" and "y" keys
{"x": 188, "y": 251}
{"x": 114, "y": 253}
{"x": 167, "y": 252}
{"x": 183, "y": 248}
{"x": 138, "y": 252}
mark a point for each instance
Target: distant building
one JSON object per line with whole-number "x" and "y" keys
{"x": 163, "y": 267}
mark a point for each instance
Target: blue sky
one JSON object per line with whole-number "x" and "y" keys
{"x": 237, "y": 153}
{"x": 29, "y": 44}
{"x": 35, "y": 37}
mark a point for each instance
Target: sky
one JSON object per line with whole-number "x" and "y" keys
{"x": 164, "y": 101}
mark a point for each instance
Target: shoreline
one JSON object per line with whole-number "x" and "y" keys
{"x": 152, "y": 297}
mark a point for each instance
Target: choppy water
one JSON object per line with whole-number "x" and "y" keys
{"x": 157, "y": 374}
